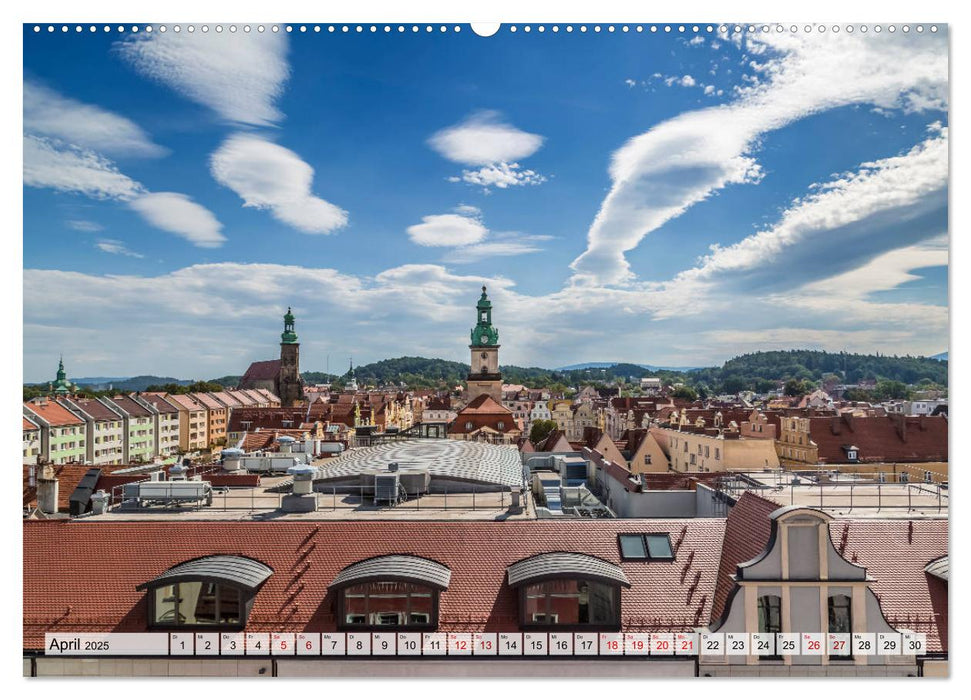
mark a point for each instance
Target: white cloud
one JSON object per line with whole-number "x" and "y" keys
{"x": 630, "y": 83}
{"x": 86, "y": 226}
{"x": 709, "y": 89}
{"x": 678, "y": 163}
{"x": 65, "y": 168}
{"x": 502, "y": 175}
{"x": 495, "y": 248}
{"x": 697, "y": 41}
{"x": 70, "y": 169}
{"x": 107, "y": 245}
{"x": 915, "y": 180}
{"x": 447, "y": 230}
{"x": 268, "y": 176}
{"x": 50, "y": 114}
{"x": 483, "y": 139}
{"x": 238, "y": 75}
{"x": 468, "y": 210}
{"x": 178, "y": 214}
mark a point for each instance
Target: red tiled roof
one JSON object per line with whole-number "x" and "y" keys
{"x": 68, "y": 477}
{"x": 63, "y": 592}
{"x": 266, "y": 418}
{"x": 746, "y": 534}
{"x": 54, "y": 413}
{"x": 263, "y": 371}
{"x": 208, "y": 401}
{"x": 484, "y": 404}
{"x": 243, "y": 398}
{"x": 185, "y": 401}
{"x": 895, "y": 553}
{"x": 30, "y": 425}
{"x": 881, "y": 439}
{"x": 226, "y": 399}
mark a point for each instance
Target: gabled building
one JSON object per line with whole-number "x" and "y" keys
{"x": 485, "y": 419}
{"x": 31, "y": 441}
{"x": 166, "y": 422}
{"x": 847, "y": 438}
{"x": 193, "y": 422}
{"x": 217, "y": 415}
{"x": 104, "y": 430}
{"x": 140, "y": 444}
{"x": 63, "y": 434}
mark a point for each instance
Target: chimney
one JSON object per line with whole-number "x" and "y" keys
{"x": 835, "y": 425}
{"x": 47, "y": 491}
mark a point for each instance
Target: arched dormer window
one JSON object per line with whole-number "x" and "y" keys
{"x": 568, "y": 590}
{"x": 397, "y": 591}
{"x": 212, "y": 591}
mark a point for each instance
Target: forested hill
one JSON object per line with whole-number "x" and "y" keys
{"x": 816, "y": 365}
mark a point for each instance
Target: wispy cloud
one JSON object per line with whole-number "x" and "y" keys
{"x": 49, "y": 114}
{"x": 178, "y": 214}
{"x": 470, "y": 241}
{"x": 237, "y": 75}
{"x": 492, "y": 147}
{"x": 63, "y": 144}
{"x": 658, "y": 175}
{"x": 73, "y": 169}
{"x": 85, "y": 226}
{"x": 107, "y": 245}
{"x": 268, "y": 176}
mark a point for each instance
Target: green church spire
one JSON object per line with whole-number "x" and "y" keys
{"x": 289, "y": 336}
{"x": 484, "y": 334}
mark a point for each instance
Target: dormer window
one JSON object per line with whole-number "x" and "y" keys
{"x": 395, "y": 591}
{"x": 214, "y": 591}
{"x": 568, "y": 590}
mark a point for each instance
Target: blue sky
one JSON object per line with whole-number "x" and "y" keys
{"x": 659, "y": 198}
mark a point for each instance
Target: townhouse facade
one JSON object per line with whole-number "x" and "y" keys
{"x": 31, "y": 441}
{"x": 193, "y": 422}
{"x": 217, "y": 417}
{"x": 105, "y": 429}
{"x": 691, "y": 449}
{"x": 140, "y": 443}
{"x": 63, "y": 435}
{"x": 166, "y": 422}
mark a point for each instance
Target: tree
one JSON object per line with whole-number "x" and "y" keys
{"x": 541, "y": 430}
{"x": 887, "y": 389}
{"x": 794, "y": 387}
{"x": 685, "y": 392}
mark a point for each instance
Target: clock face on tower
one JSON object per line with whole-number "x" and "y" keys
{"x": 484, "y": 338}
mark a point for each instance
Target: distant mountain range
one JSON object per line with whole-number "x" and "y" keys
{"x": 605, "y": 365}
{"x": 139, "y": 383}
{"x": 940, "y": 356}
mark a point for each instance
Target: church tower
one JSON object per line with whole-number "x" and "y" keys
{"x": 484, "y": 376}
{"x": 289, "y": 384}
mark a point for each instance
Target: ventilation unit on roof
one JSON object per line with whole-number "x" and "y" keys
{"x": 387, "y": 488}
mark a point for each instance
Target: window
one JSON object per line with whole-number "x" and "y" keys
{"x": 647, "y": 459}
{"x": 388, "y": 604}
{"x": 197, "y": 603}
{"x": 717, "y": 453}
{"x": 655, "y": 546}
{"x": 770, "y": 618}
{"x": 571, "y": 603}
{"x": 501, "y": 425}
{"x": 904, "y": 478}
{"x": 839, "y": 614}
{"x": 468, "y": 425}
{"x": 928, "y": 477}
{"x": 706, "y": 450}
